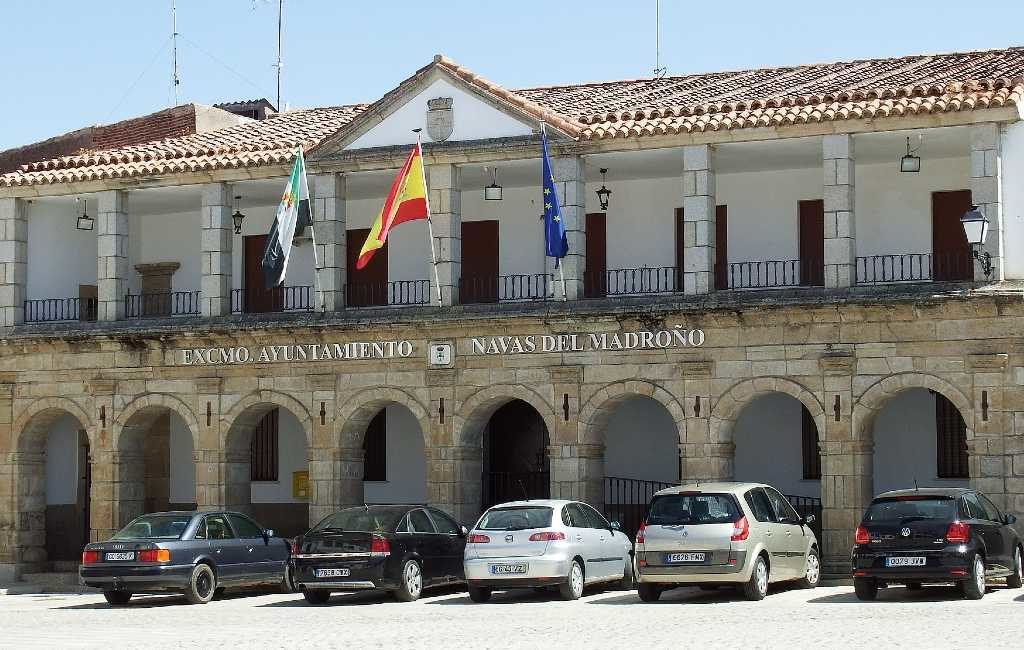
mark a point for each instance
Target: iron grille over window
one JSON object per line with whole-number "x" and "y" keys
{"x": 950, "y": 439}
{"x": 375, "y": 458}
{"x": 263, "y": 449}
{"x": 809, "y": 434}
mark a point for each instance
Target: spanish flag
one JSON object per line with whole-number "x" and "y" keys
{"x": 407, "y": 201}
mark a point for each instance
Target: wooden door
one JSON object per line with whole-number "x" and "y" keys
{"x": 680, "y": 250}
{"x": 812, "y": 242}
{"x": 721, "y": 247}
{"x": 256, "y": 297}
{"x": 951, "y": 254}
{"x": 367, "y": 286}
{"x": 595, "y": 279}
{"x": 479, "y": 281}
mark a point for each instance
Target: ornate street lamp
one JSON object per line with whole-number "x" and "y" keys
{"x": 604, "y": 193}
{"x": 975, "y": 225}
{"x": 237, "y": 217}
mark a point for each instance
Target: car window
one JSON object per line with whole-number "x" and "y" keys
{"x": 516, "y": 518}
{"x": 403, "y": 526}
{"x": 443, "y": 523}
{"x": 759, "y": 504}
{"x": 579, "y": 516}
{"x": 420, "y": 522}
{"x": 567, "y": 517}
{"x": 155, "y": 527}
{"x": 783, "y": 509}
{"x": 244, "y": 527}
{"x": 686, "y": 509}
{"x": 217, "y": 527}
{"x": 990, "y": 508}
{"x": 594, "y": 517}
{"x": 977, "y": 507}
{"x": 200, "y": 530}
{"x": 904, "y": 508}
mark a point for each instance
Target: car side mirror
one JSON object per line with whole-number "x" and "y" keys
{"x": 463, "y": 531}
{"x": 268, "y": 533}
{"x": 614, "y": 526}
{"x": 807, "y": 520}
{"x": 1010, "y": 520}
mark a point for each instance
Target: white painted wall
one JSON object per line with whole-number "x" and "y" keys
{"x": 406, "y": 462}
{"x": 175, "y": 237}
{"x": 182, "y": 488}
{"x": 520, "y": 230}
{"x": 1013, "y": 200}
{"x": 905, "y": 449}
{"x": 60, "y": 257}
{"x": 769, "y": 445}
{"x": 640, "y": 221}
{"x": 62, "y": 461}
{"x": 258, "y": 219}
{"x": 642, "y": 441}
{"x": 291, "y": 457}
{"x": 474, "y": 119}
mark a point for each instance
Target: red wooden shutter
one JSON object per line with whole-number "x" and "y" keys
{"x": 479, "y": 282}
{"x": 812, "y": 242}
{"x": 595, "y": 281}
{"x": 721, "y": 247}
{"x": 951, "y": 254}
{"x": 367, "y": 286}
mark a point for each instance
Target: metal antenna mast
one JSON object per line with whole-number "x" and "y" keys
{"x": 280, "y": 13}
{"x": 659, "y": 71}
{"x": 174, "y": 49}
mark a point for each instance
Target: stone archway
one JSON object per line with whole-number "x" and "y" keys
{"x": 874, "y": 398}
{"x": 729, "y": 405}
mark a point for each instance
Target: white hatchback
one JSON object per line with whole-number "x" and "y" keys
{"x": 542, "y": 543}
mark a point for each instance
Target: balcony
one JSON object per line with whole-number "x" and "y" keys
{"x": 258, "y": 300}
{"x": 769, "y": 274}
{"x": 506, "y": 288}
{"x": 956, "y": 266}
{"x": 384, "y": 294}
{"x": 633, "y": 282}
{"x": 48, "y": 310}
{"x": 155, "y": 305}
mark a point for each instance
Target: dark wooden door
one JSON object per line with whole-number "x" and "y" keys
{"x": 680, "y": 250}
{"x": 721, "y": 247}
{"x": 595, "y": 279}
{"x": 367, "y": 286}
{"x": 812, "y": 242}
{"x": 256, "y": 297}
{"x": 951, "y": 254}
{"x": 479, "y": 281}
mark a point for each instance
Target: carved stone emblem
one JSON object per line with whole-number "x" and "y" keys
{"x": 440, "y": 120}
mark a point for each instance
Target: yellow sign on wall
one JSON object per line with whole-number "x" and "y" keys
{"x": 300, "y": 485}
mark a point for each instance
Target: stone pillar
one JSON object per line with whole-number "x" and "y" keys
{"x": 217, "y": 239}
{"x": 207, "y": 454}
{"x": 13, "y": 261}
{"x": 30, "y": 511}
{"x": 112, "y": 251}
{"x": 466, "y": 486}
{"x": 329, "y": 222}
{"x": 446, "y": 216}
{"x": 698, "y": 219}
{"x": 840, "y": 222}
{"x": 986, "y": 193}
{"x": 571, "y": 186}
{"x": 577, "y": 472}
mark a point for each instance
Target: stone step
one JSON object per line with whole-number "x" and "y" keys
{"x": 51, "y": 578}
{"x": 50, "y": 582}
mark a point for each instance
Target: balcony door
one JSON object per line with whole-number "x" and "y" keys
{"x": 479, "y": 281}
{"x": 951, "y": 254}
{"x": 367, "y": 286}
{"x": 812, "y": 242}
{"x": 595, "y": 280}
{"x": 257, "y": 298}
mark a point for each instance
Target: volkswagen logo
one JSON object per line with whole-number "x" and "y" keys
{"x": 508, "y": 538}
{"x": 905, "y": 532}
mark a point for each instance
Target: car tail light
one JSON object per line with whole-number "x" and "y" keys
{"x": 477, "y": 538}
{"x": 294, "y": 546}
{"x": 90, "y": 557}
{"x": 958, "y": 533}
{"x": 155, "y": 555}
{"x": 640, "y": 532}
{"x": 740, "y": 530}
{"x": 380, "y": 546}
{"x": 862, "y": 536}
{"x": 546, "y": 537}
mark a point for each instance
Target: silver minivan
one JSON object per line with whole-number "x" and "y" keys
{"x": 714, "y": 534}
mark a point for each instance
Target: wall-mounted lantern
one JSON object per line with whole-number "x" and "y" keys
{"x": 910, "y": 162}
{"x": 493, "y": 191}
{"x": 237, "y": 217}
{"x": 85, "y": 222}
{"x": 604, "y": 193}
{"x": 975, "y": 225}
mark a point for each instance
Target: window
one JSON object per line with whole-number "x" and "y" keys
{"x": 218, "y": 528}
{"x": 580, "y": 517}
{"x": 263, "y": 449}
{"x": 200, "y": 530}
{"x": 375, "y": 443}
{"x": 950, "y": 439}
{"x": 595, "y": 518}
{"x": 812, "y": 455}
{"x": 155, "y": 527}
{"x": 516, "y": 518}
{"x": 783, "y": 510}
{"x": 981, "y": 508}
{"x": 420, "y": 522}
{"x": 567, "y": 518}
{"x": 990, "y": 508}
{"x": 443, "y": 523}
{"x": 759, "y": 504}
{"x": 901, "y": 508}
{"x": 693, "y": 509}
{"x": 247, "y": 528}
{"x": 721, "y": 269}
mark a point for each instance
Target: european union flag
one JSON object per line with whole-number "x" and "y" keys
{"x": 555, "y": 243}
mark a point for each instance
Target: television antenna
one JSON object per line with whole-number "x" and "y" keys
{"x": 175, "y": 80}
{"x": 659, "y": 70}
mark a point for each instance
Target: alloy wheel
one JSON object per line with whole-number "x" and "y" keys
{"x": 979, "y": 573}
{"x": 813, "y": 569}
{"x": 762, "y": 577}
{"x": 413, "y": 578}
{"x": 1017, "y": 564}
{"x": 577, "y": 579}
{"x": 204, "y": 584}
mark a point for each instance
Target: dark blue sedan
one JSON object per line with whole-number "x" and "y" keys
{"x": 192, "y": 553}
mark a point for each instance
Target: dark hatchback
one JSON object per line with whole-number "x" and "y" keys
{"x": 401, "y": 549}
{"x": 935, "y": 535}
{"x": 192, "y": 553}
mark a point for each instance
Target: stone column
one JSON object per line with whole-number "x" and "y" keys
{"x": 571, "y": 186}
{"x": 13, "y": 260}
{"x": 986, "y": 193}
{"x": 840, "y": 223}
{"x": 217, "y": 239}
{"x": 698, "y": 219}
{"x": 446, "y": 216}
{"x": 329, "y": 222}
{"x": 466, "y": 486}
{"x": 207, "y": 454}
{"x": 112, "y": 251}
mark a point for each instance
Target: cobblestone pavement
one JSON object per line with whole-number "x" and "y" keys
{"x": 825, "y": 618}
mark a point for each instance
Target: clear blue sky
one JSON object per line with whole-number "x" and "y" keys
{"x": 69, "y": 63}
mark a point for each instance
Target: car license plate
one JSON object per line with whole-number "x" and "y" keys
{"x": 681, "y": 558}
{"x": 120, "y": 556}
{"x": 904, "y": 561}
{"x": 508, "y": 569}
{"x": 331, "y": 573}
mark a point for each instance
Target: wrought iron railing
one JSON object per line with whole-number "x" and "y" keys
{"x": 506, "y": 288}
{"x": 278, "y": 299}
{"x": 639, "y": 281}
{"x": 626, "y": 500}
{"x": 915, "y": 267}
{"x": 153, "y": 305}
{"x": 60, "y": 309}
{"x": 515, "y": 486}
{"x": 380, "y": 294}
{"x": 766, "y": 274}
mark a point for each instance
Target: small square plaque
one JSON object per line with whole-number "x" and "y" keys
{"x": 440, "y": 354}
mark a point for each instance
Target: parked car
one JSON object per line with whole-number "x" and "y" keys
{"x": 193, "y": 553}
{"x": 935, "y": 535}
{"x": 402, "y": 549}
{"x": 545, "y": 543}
{"x": 714, "y": 534}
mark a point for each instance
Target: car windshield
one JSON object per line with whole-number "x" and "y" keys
{"x": 903, "y": 508}
{"x": 155, "y": 527}
{"x": 363, "y": 520}
{"x": 516, "y": 518}
{"x": 692, "y": 509}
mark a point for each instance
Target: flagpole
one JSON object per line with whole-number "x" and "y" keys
{"x": 561, "y": 271}
{"x": 312, "y": 234}
{"x": 430, "y": 223}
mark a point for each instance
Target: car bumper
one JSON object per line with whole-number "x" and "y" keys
{"x": 363, "y": 574}
{"x": 734, "y": 570}
{"x": 137, "y": 579}
{"x": 950, "y": 564}
{"x": 542, "y": 570}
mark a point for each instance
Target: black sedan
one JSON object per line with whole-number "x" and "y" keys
{"x": 401, "y": 549}
{"x": 935, "y": 535}
{"x": 192, "y": 553}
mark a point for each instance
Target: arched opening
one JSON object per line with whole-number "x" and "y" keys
{"x": 515, "y": 455}
{"x": 157, "y": 469}
{"x": 641, "y": 456}
{"x": 53, "y": 492}
{"x": 394, "y": 458}
{"x": 267, "y": 468}
{"x": 919, "y": 435}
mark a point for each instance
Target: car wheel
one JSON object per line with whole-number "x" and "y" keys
{"x": 202, "y": 585}
{"x": 412, "y": 582}
{"x": 865, "y": 588}
{"x": 626, "y": 584}
{"x": 648, "y": 593}
{"x": 316, "y": 596}
{"x": 973, "y": 587}
{"x": 757, "y": 587}
{"x": 572, "y": 588}
{"x": 479, "y": 594}
{"x": 1016, "y": 579}
{"x": 812, "y": 573}
{"x": 286, "y": 582}
{"x": 117, "y": 597}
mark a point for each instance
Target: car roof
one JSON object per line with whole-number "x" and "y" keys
{"x": 549, "y": 503}
{"x": 734, "y": 487}
{"x": 925, "y": 491}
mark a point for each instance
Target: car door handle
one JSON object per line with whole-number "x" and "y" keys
{"x": 217, "y": 550}
{"x": 250, "y": 549}
{"x": 579, "y": 538}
